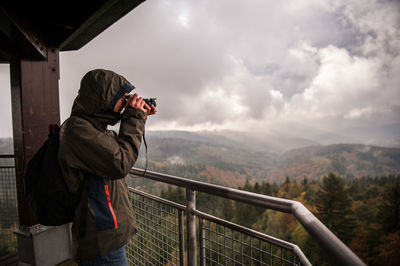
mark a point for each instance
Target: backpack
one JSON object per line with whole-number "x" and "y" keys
{"x": 51, "y": 201}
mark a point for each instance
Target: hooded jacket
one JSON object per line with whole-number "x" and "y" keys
{"x": 88, "y": 150}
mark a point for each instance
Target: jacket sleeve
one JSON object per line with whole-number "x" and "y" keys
{"x": 105, "y": 155}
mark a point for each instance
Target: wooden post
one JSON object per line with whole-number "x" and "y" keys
{"x": 35, "y": 105}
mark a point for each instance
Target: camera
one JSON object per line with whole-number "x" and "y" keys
{"x": 150, "y": 101}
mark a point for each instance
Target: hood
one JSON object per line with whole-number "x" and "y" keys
{"x": 99, "y": 92}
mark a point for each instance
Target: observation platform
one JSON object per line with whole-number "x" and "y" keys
{"x": 31, "y": 39}
{"x": 170, "y": 233}
{"x": 8, "y": 258}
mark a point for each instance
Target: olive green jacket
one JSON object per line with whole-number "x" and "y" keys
{"x": 88, "y": 149}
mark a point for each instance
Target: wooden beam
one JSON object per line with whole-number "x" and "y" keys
{"x": 18, "y": 34}
{"x": 110, "y": 12}
{"x": 35, "y": 105}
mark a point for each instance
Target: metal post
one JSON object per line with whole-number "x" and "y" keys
{"x": 181, "y": 239}
{"x": 191, "y": 227}
{"x": 202, "y": 243}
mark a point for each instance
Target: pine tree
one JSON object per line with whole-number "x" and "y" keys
{"x": 389, "y": 211}
{"x": 225, "y": 209}
{"x": 334, "y": 207}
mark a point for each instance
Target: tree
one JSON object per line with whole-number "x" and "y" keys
{"x": 389, "y": 251}
{"x": 334, "y": 207}
{"x": 225, "y": 209}
{"x": 304, "y": 182}
{"x": 310, "y": 247}
{"x": 389, "y": 211}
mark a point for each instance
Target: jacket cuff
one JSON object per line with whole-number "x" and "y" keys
{"x": 133, "y": 112}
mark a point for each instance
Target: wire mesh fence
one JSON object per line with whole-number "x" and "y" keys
{"x": 8, "y": 209}
{"x": 160, "y": 238}
{"x": 160, "y": 232}
{"x": 223, "y": 245}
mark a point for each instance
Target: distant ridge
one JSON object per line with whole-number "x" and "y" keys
{"x": 347, "y": 160}
{"x": 230, "y": 158}
{"x": 262, "y": 159}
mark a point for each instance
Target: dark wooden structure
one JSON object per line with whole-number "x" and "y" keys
{"x": 32, "y": 33}
{"x": 8, "y": 258}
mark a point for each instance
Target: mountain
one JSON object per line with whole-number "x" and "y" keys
{"x": 347, "y": 160}
{"x": 236, "y": 154}
{"x": 230, "y": 158}
{"x": 274, "y": 142}
{"x": 385, "y": 135}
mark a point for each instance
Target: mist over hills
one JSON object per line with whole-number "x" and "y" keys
{"x": 346, "y": 160}
{"x": 273, "y": 143}
{"x": 386, "y": 135}
{"x": 6, "y": 146}
{"x": 231, "y": 157}
{"x": 269, "y": 157}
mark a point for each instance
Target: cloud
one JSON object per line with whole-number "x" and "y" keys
{"x": 252, "y": 64}
{"x": 357, "y": 113}
{"x": 239, "y": 65}
{"x": 342, "y": 82}
{"x": 358, "y": 80}
{"x": 5, "y": 106}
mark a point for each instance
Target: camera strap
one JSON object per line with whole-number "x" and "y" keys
{"x": 147, "y": 159}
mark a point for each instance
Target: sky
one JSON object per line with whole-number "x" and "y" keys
{"x": 251, "y": 65}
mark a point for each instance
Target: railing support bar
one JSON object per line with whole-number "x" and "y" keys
{"x": 191, "y": 227}
{"x": 202, "y": 243}
{"x": 181, "y": 239}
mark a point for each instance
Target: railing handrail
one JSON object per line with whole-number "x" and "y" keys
{"x": 331, "y": 243}
{"x": 164, "y": 201}
{"x": 7, "y": 156}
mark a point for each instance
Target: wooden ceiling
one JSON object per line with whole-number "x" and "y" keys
{"x": 28, "y": 29}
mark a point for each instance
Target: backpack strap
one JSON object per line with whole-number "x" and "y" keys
{"x": 54, "y": 129}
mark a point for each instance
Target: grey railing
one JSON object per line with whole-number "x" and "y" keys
{"x": 161, "y": 233}
{"x": 337, "y": 250}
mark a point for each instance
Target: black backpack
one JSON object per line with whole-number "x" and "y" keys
{"x": 51, "y": 201}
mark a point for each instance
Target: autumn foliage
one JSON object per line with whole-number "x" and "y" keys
{"x": 364, "y": 213}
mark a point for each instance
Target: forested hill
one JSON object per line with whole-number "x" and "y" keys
{"x": 231, "y": 158}
{"x": 346, "y": 160}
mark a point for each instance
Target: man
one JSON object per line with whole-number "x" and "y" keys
{"x": 98, "y": 160}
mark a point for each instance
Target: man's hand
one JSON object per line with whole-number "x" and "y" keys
{"x": 137, "y": 102}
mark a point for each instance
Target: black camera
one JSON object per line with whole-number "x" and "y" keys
{"x": 150, "y": 101}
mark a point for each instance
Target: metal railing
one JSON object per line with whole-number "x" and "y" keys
{"x": 234, "y": 249}
{"x": 161, "y": 233}
{"x": 226, "y": 243}
{"x": 8, "y": 204}
{"x": 161, "y": 228}
{"x": 160, "y": 236}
